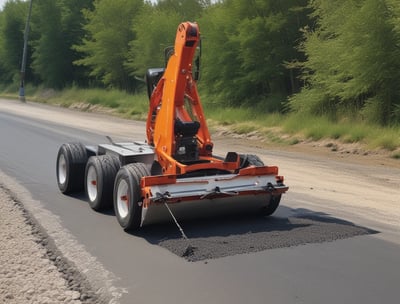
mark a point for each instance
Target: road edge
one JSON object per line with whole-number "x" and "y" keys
{"x": 82, "y": 272}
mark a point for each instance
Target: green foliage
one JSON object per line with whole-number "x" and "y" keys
{"x": 347, "y": 131}
{"x": 73, "y": 33}
{"x": 388, "y": 138}
{"x": 121, "y": 102}
{"x": 154, "y": 30}
{"x": 246, "y": 45}
{"x": 49, "y": 49}
{"x": 219, "y": 67}
{"x": 346, "y": 52}
{"x": 247, "y": 118}
{"x": 56, "y": 26}
{"x": 12, "y": 25}
{"x": 189, "y": 10}
{"x": 109, "y": 29}
{"x": 352, "y": 60}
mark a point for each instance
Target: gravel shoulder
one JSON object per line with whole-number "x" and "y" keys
{"x": 28, "y": 272}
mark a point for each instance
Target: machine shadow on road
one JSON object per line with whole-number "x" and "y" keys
{"x": 230, "y": 235}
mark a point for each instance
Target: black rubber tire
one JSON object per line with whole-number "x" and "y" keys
{"x": 272, "y": 206}
{"x": 247, "y": 160}
{"x": 70, "y": 167}
{"x": 129, "y": 176}
{"x": 103, "y": 170}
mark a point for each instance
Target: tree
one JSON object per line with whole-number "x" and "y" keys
{"x": 50, "y": 48}
{"x": 12, "y": 25}
{"x": 220, "y": 53}
{"x": 73, "y": 21}
{"x": 154, "y": 31}
{"x": 105, "y": 48}
{"x": 56, "y": 26}
{"x": 189, "y": 10}
{"x": 352, "y": 60}
{"x": 249, "y": 43}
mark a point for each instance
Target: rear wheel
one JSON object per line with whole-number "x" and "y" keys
{"x": 70, "y": 167}
{"x": 272, "y": 206}
{"x": 127, "y": 195}
{"x": 100, "y": 175}
{"x": 247, "y": 160}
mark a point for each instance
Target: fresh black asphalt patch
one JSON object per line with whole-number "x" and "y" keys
{"x": 221, "y": 237}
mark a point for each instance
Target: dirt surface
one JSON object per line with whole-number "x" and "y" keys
{"x": 367, "y": 194}
{"x": 32, "y": 271}
{"x": 40, "y": 260}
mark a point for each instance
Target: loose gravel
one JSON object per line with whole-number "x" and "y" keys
{"x": 31, "y": 268}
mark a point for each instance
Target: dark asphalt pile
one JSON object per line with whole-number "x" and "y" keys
{"x": 216, "y": 238}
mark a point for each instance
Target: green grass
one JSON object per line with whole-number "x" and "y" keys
{"x": 283, "y": 129}
{"x": 245, "y": 128}
{"x": 317, "y": 128}
{"x": 386, "y": 138}
{"x": 248, "y": 116}
{"x": 121, "y": 103}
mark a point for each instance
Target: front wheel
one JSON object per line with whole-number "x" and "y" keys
{"x": 128, "y": 195}
{"x": 70, "y": 167}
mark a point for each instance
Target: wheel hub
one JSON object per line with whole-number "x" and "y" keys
{"x": 123, "y": 199}
{"x": 91, "y": 183}
{"x": 62, "y": 169}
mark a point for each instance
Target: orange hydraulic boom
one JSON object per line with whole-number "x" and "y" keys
{"x": 174, "y": 97}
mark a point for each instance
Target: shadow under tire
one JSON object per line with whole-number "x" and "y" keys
{"x": 99, "y": 181}
{"x": 70, "y": 167}
{"x": 128, "y": 195}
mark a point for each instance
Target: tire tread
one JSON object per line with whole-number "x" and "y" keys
{"x": 133, "y": 174}
{"x": 75, "y": 157}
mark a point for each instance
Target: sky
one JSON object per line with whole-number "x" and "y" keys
{"x": 2, "y": 3}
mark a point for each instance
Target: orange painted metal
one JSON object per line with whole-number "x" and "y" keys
{"x": 259, "y": 170}
{"x": 174, "y": 97}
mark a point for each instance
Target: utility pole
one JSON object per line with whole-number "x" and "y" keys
{"x": 24, "y": 54}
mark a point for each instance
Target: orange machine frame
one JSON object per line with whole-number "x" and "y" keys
{"x": 174, "y": 97}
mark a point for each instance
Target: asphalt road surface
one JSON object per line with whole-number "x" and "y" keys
{"x": 334, "y": 239}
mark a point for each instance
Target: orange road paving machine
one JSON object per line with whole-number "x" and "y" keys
{"x": 174, "y": 172}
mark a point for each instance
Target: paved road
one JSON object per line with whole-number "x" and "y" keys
{"x": 352, "y": 269}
